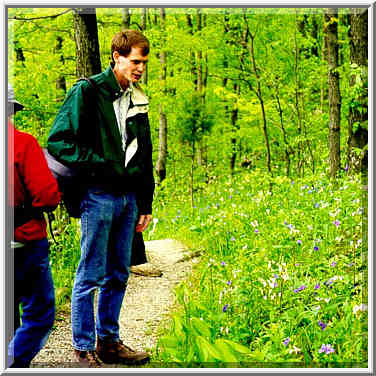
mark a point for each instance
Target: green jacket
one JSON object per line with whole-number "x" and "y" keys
{"x": 85, "y": 135}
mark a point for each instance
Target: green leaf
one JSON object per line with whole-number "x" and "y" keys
{"x": 201, "y": 327}
{"x": 169, "y": 342}
{"x": 237, "y": 346}
{"x": 226, "y": 351}
{"x": 178, "y": 327}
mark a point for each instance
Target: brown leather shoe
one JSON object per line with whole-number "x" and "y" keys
{"x": 87, "y": 359}
{"x": 146, "y": 270}
{"x": 117, "y": 352}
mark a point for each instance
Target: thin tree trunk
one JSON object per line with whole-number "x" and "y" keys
{"x": 334, "y": 96}
{"x": 199, "y": 86}
{"x": 160, "y": 167}
{"x": 87, "y": 47}
{"x": 193, "y": 59}
{"x": 300, "y": 158}
{"x": 192, "y": 173}
{"x": 235, "y": 128}
{"x": 126, "y": 18}
{"x": 60, "y": 81}
{"x": 315, "y": 34}
{"x": 144, "y": 17}
{"x": 358, "y": 34}
{"x": 288, "y": 149}
{"x": 261, "y": 100}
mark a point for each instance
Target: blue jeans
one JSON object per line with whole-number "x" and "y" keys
{"x": 34, "y": 290}
{"x": 107, "y": 228}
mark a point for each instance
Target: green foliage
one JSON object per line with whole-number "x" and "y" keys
{"x": 64, "y": 257}
{"x": 283, "y": 272}
{"x": 195, "y": 121}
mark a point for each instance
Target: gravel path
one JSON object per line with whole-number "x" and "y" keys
{"x": 147, "y": 301}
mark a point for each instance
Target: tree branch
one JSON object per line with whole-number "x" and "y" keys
{"x": 39, "y": 18}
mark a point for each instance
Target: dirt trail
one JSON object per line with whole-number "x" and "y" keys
{"x": 147, "y": 301}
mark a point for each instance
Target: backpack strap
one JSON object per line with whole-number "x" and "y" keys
{"x": 93, "y": 88}
{"x": 90, "y": 81}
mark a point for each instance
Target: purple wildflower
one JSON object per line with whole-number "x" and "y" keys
{"x": 275, "y": 276}
{"x": 317, "y": 286}
{"x": 223, "y": 263}
{"x": 327, "y": 349}
{"x": 333, "y": 264}
{"x": 317, "y": 205}
{"x": 316, "y": 248}
{"x": 347, "y": 168}
{"x": 309, "y": 192}
{"x": 322, "y": 325}
{"x": 336, "y": 223}
{"x": 229, "y": 282}
{"x": 328, "y": 283}
{"x": 232, "y": 239}
{"x": 230, "y": 197}
{"x": 299, "y": 241}
{"x": 224, "y": 309}
{"x": 286, "y": 341}
{"x": 302, "y": 287}
{"x": 256, "y": 230}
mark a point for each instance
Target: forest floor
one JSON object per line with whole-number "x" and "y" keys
{"x": 147, "y": 302}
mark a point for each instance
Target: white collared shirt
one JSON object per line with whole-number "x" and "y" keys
{"x": 121, "y": 107}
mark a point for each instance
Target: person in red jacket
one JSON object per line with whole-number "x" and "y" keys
{"x": 31, "y": 190}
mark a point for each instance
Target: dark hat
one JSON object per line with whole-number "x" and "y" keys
{"x": 13, "y": 104}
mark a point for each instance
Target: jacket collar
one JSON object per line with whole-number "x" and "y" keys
{"x": 138, "y": 97}
{"x": 111, "y": 84}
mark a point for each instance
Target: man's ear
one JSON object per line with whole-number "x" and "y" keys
{"x": 115, "y": 56}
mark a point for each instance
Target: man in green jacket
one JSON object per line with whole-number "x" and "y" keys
{"x": 103, "y": 132}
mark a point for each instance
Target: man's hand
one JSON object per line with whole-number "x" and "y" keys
{"x": 143, "y": 222}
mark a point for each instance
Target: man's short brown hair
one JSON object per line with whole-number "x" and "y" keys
{"x": 123, "y": 42}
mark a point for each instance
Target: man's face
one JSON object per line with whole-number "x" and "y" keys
{"x": 130, "y": 68}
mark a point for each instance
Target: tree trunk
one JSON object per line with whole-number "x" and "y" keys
{"x": 144, "y": 15}
{"x": 324, "y": 50}
{"x": 126, "y": 18}
{"x": 61, "y": 86}
{"x": 334, "y": 96}
{"x": 87, "y": 46}
{"x": 300, "y": 158}
{"x": 235, "y": 128}
{"x": 261, "y": 100}
{"x": 288, "y": 149}
{"x": 358, "y": 115}
{"x": 199, "y": 85}
{"x": 303, "y": 146}
{"x": 193, "y": 59}
{"x": 315, "y": 34}
{"x": 160, "y": 167}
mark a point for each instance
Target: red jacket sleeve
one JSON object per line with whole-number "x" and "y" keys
{"x": 38, "y": 179}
